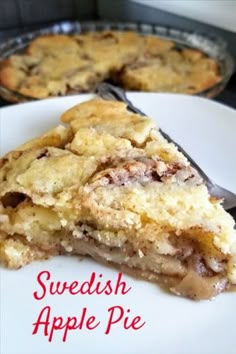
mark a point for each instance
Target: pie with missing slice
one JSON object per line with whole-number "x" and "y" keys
{"x": 109, "y": 186}
{"x": 56, "y": 65}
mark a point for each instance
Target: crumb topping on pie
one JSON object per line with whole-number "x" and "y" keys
{"x": 111, "y": 187}
{"x": 55, "y": 65}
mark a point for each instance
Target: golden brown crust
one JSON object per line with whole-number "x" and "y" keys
{"x": 23, "y": 252}
{"x": 188, "y": 71}
{"x": 56, "y": 65}
{"x": 10, "y": 77}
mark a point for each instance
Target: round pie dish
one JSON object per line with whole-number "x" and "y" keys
{"x": 213, "y": 48}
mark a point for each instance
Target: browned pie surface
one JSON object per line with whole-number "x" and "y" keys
{"x": 55, "y": 65}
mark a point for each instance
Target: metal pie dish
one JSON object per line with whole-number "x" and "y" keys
{"x": 213, "y": 47}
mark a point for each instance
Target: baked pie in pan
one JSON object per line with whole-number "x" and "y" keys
{"x": 54, "y": 65}
{"x": 109, "y": 186}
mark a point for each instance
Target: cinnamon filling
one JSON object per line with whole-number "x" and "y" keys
{"x": 145, "y": 170}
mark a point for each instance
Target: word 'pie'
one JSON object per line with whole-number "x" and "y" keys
{"x": 108, "y": 185}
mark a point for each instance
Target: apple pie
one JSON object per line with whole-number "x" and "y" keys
{"x": 56, "y": 65}
{"x": 109, "y": 186}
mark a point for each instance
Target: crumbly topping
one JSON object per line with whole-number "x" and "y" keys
{"x": 56, "y": 65}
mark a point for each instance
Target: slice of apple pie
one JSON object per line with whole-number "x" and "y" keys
{"x": 110, "y": 186}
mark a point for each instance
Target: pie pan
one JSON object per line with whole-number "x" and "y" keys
{"x": 213, "y": 47}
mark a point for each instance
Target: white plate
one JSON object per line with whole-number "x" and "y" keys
{"x": 173, "y": 325}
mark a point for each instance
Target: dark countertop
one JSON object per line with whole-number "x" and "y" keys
{"x": 228, "y": 96}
